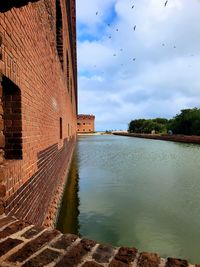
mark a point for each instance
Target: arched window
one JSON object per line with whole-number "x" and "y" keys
{"x": 59, "y": 32}
{"x": 12, "y": 120}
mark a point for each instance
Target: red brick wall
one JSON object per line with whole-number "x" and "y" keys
{"x": 85, "y": 123}
{"x": 33, "y": 153}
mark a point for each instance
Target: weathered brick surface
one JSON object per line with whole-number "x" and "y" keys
{"x": 32, "y": 232}
{"x": 148, "y": 260}
{"x": 13, "y": 228}
{"x": 103, "y": 254}
{"x": 91, "y": 264}
{"x": 85, "y": 123}
{"x": 34, "y": 98}
{"x": 2, "y": 207}
{"x": 30, "y": 248}
{"x": 27, "y": 250}
{"x": 4, "y": 221}
{"x": 45, "y": 257}
{"x": 76, "y": 253}
{"x": 8, "y": 244}
{"x": 124, "y": 257}
{"x": 64, "y": 241}
{"x": 176, "y": 263}
{"x": 2, "y": 190}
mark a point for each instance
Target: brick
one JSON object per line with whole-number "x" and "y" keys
{"x": 2, "y": 140}
{"x": 103, "y": 254}
{"x": 116, "y": 263}
{"x": 1, "y": 157}
{"x": 6, "y": 220}
{"x": 64, "y": 241}
{"x": 8, "y": 244}
{"x": 31, "y": 247}
{"x": 32, "y": 232}
{"x": 45, "y": 257}
{"x": 1, "y": 124}
{"x": 176, "y": 263}
{"x": 33, "y": 86}
{"x": 124, "y": 257}
{"x": 13, "y": 228}
{"x": 85, "y": 123}
{"x": 76, "y": 253}
{"x": 2, "y": 207}
{"x": 91, "y": 264}
{"x": 148, "y": 260}
{"x": 1, "y": 109}
{"x": 2, "y": 190}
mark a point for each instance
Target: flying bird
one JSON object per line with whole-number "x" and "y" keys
{"x": 108, "y": 24}
{"x": 166, "y": 3}
{"x": 134, "y": 28}
{"x": 114, "y": 55}
{"x": 97, "y": 13}
{"x": 163, "y": 44}
{"x": 117, "y": 30}
{"x": 134, "y": 59}
{"x": 132, "y": 6}
{"x": 109, "y": 37}
{"x": 174, "y": 46}
{"x": 121, "y": 49}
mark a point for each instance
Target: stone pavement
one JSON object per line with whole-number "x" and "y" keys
{"x": 23, "y": 244}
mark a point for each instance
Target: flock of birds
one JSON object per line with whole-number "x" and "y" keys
{"x": 134, "y": 29}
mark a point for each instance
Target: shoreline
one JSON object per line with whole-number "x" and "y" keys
{"x": 190, "y": 139}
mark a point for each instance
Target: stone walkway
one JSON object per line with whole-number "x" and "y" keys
{"x": 22, "y": 244}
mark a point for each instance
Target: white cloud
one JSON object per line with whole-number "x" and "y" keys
{"x": 163, "y": 78}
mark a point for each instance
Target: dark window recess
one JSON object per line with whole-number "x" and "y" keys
{"x": 59, "y": 32}
{"x": 84, "y": 123}
{"x": 67, "y": 67}
{"x": 78, "y": 123}
{"x": 12, "y": 116}
{"x": 61, "y": 130}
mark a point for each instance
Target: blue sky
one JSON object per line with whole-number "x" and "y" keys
{"x": 147, "y": 73}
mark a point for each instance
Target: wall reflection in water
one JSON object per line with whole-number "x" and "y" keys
{"x": 69, "y": 211}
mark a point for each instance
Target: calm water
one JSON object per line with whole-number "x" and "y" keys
{"x": 135, "y": 192}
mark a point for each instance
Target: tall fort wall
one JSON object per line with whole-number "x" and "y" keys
{"x": 38, "y": 103}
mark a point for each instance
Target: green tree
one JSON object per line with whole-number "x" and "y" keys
{"x": 187, "y": 122}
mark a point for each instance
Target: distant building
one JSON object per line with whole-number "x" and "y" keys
{"x": 85, "y": 123}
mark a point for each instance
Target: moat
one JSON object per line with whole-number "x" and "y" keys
{"x": 135, "y": 192}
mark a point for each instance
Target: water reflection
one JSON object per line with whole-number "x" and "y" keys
{"x": 68, "y": 218}
{"x": 135, "y": 192}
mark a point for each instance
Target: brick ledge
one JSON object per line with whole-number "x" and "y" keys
{"x": 23, "y": 244}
